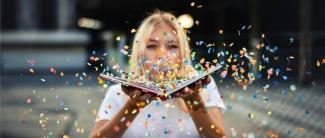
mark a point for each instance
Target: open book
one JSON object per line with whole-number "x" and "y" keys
{"x": 156, "y": 90}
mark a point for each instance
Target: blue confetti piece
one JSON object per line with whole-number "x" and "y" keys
{"x": 275, "y": 48}
{"x": 291, "y": 40}
{"x": 254, "y": 96}
{"x": 157, "y": 103}
{"x": 289, "y": 132}
{"x": 209, "y": 50}
{"x": 284, "y": 77}
{"x": 284, "y": 93}
{"x": 243, "y": 27}
{"x": 259, "y": 75}
{"x": 301, "y": 98}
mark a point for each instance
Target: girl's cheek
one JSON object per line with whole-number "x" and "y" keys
{"x": 150, "y": 55}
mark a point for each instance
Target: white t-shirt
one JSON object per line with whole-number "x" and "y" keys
{"x": 159, "y": 118}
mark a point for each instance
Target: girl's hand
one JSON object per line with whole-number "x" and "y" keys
{"x": 193, "y": 89}
{"x": 138, "y": 97}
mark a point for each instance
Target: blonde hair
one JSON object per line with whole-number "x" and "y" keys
{"x": 142, "y": 36}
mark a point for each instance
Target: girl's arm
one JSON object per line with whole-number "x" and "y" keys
{"x": 118, "y": 124}
{"x": 115, "y": 127}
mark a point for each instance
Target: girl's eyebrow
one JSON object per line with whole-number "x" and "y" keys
{"x": 154, "y": 40}
{"x": 172, "y": 42}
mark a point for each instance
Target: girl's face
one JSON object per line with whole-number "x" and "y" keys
{"x": 162, "y": 49}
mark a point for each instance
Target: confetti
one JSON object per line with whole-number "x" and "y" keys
{"x": 29, "y": 101}
{"x": 53, "y": 70}
{"x": 118, "y": 38}
{"x": 31, "y": 70}
{"x": 192, "y": 4}
{"x": 133, "y": 30}
{"x": 251, "y": 115}
{"x": 293, "y": 87}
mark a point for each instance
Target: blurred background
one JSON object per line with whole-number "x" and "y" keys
{"x": 53, "y": 50}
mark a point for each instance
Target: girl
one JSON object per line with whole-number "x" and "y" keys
{"x": 128, "y": 112}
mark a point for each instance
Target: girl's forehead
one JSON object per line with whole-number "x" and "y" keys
{"x": 167, "y": 36}
{"x": 163, "y": 32}
{"x": 171, "y": 39}
{"x": 163, "y": 29}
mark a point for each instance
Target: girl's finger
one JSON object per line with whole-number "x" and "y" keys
{"x": 146, "y": 97}
{"x": 198, "y": 84}
{"x": 180, "y": 95}
{"x": 134, "y": 94}
{"x": 188, "y": 91}
{"x": 206, "y": 80}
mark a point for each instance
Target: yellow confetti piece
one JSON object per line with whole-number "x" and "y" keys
{"x": 94, "y": 111}
{"x": 201, "y": 128}
{"x": 100, "y": 81}
{"x": 260, "y": 67}
{"x": 118, "y": 38}
{"x": 197, "y": 22}
{"x": 65, "y": 136}
{"x": 318, "y": 63}
{"x": 192, "y": 4}
{"x": 269, "y": 113}
{"x": 134, "y": 111}
{"x": 31, "y": 70}
{"x": 212, "y": 126}
{"x": 300, "y": 129}
{"x": 202, "y": 60}
{"x": 133, "y": 30}
{"x": 141, "y": 104}
{"x": 232, "y": 96}
{"x": 105, "y": 86}
{"x": 220, "y": 31}
{"x": 167, "y": 105}
{"x": 251, "y": 115}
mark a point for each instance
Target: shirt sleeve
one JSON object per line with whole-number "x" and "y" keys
{"x": 211, "y": 96}
{"x": 111, "y": 103}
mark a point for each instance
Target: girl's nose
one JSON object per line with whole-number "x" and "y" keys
{"x": 162, "y": 52}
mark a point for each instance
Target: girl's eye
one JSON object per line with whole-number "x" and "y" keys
{"x": 173, "y": 46}
{"x": 151, "y": 46}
